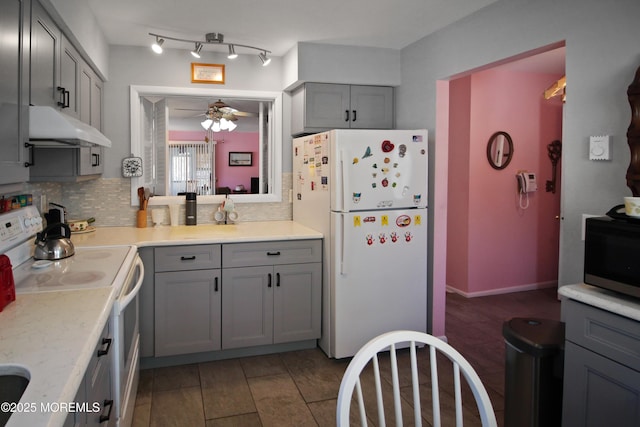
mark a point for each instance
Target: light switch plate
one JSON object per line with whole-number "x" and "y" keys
{"x": 599, "y": 147}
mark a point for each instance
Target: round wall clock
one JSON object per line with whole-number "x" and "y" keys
{"x": 132, "y": 166}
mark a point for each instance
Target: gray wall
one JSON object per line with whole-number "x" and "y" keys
{"x": 602, "y": 54}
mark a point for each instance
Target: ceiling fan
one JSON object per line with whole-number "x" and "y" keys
{"x": 220, "y": 116}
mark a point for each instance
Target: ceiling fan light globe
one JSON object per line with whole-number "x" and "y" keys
{"x": 231, "y": 126}
{"x": 207, "y": 124}
{"x": 216, "y": 126}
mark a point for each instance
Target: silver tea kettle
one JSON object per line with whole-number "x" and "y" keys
{"x": 54, "y": 243}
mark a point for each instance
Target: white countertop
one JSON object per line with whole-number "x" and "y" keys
{"x": 53, "y": 334}
{"x": 199, "y": 234}
{"x": 602, "y": 298}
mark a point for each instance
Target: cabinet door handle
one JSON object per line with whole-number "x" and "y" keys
{"x": 188, "y": 258}
{"x": 215, "y": 284}
{"x": 109, "y": 403}
{"x": 95, "y": 160}
{"x": 276, "y": 253}
{"x": 278, "y": 280}
{"x": 105, "y": 351}
{"x": 65, "y": 97}
{"x": 354, "y": 116}
{"x": 346, "y": 115}
{"x": 269, "y": 281}
{"x": 32, "y": 160}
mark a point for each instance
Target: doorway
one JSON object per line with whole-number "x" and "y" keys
{"x": 498, "y": 240}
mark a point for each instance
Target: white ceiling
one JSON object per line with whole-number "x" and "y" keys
{"x": 277, "y": 25}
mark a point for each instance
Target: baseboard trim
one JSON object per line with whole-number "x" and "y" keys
{"x": 529, "y": 287}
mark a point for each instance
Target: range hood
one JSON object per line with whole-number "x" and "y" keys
{"x": 49, "y": 124}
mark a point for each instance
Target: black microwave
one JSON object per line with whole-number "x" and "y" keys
{"x": 612, "y": 254}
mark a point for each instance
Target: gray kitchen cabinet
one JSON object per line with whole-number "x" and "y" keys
{"x": 187, "y": 299}
{"x": 46, "y": 41}
{"x": 66, "y": 163}
{"x": 601, "y": 369}
{"x": 14, "y": 90}
{"x": 271, "y": 292}
{"x": 96, "y": 388}
{"x": 319, "y": 107}
{"x": 60, "y": 77}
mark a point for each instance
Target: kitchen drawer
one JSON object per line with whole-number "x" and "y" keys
{"x": 603, "y": 332}
{"x": 271, "y": 253}
{"x": 188, "y": 257}
{"x": 101, "y": 352}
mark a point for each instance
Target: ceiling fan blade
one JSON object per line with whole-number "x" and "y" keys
{"x": 245, "y": 114}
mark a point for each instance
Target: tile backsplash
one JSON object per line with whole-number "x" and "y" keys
{"x": 108, "y": 200}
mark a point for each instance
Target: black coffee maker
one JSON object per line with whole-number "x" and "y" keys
{"x": 57, "y": 215}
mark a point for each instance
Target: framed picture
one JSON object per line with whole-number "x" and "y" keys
{"x": 207, "y": 73}
{"x": 240, "y": 158}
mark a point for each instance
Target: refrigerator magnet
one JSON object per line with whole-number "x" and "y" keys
{"x": 407, "y": 236}
{"x": 356, "y": 197}
{"x": 393, "y": 236}
{"x": 403, "y": 221}
{"x": 417, "y": 219}
{"x": 382, "y": 238}
{"x": 384, "y": 219}
{"x": 402, "y": 150}
{"x": 367, "y": 153}
{"x": 369, "y": 239}
{"x": 387, "y": 146}
{"x": 356, "y": 221}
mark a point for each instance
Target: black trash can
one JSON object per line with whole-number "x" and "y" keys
{"x": 534, "y": 351}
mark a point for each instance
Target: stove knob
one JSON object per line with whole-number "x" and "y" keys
{"x": 28, "y": 222}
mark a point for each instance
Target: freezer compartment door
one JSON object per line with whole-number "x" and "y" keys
{"x": 379, "y": 278}
{"x": 379, "y": 170}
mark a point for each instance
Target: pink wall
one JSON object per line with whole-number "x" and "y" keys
{"x": 500, "y": 245}
{"x": 228, "y": 176}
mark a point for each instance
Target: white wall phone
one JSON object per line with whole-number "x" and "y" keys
{"x": 527, "y": 183}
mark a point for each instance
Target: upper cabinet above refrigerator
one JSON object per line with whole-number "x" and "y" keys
{"x": 317, "y": 107}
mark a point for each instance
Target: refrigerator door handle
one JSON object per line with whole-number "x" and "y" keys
{"x": 343, "y": 246}
{"x": 344, "y": 179}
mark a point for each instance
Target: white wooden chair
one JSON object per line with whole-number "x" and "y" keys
{"x": 356, "y": 375}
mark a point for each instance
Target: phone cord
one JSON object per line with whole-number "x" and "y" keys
{"x": 526, "y": 196}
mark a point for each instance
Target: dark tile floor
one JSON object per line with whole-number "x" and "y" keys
{"x": 299, "y": 388}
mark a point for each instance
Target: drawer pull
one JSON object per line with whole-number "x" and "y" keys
{"x": 107, "y": 342}
{"x": 215, "y": 284}
{"x": 109, "y": 403}
{"x": 276, "y": 253}
{"x": 187, "y": 258}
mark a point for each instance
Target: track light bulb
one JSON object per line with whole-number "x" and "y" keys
{"x": 196, "y": 52}
{"x": 232, "y": 52}
{"x": 157, "y": 46}
{"x": 264, "y": 58}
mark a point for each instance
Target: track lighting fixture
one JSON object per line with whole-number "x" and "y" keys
{"x": 264, "y": 58}
{"x": 196, "y": 52}
{"x": 210, "y": 38}
{"x": 232, "y": 52}
{"x": 157, "y": 46}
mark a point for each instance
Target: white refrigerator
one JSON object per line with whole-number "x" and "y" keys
{"x": 366, "y": 191}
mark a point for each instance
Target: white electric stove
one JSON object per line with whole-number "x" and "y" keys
{"x": 94, "y": 267}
